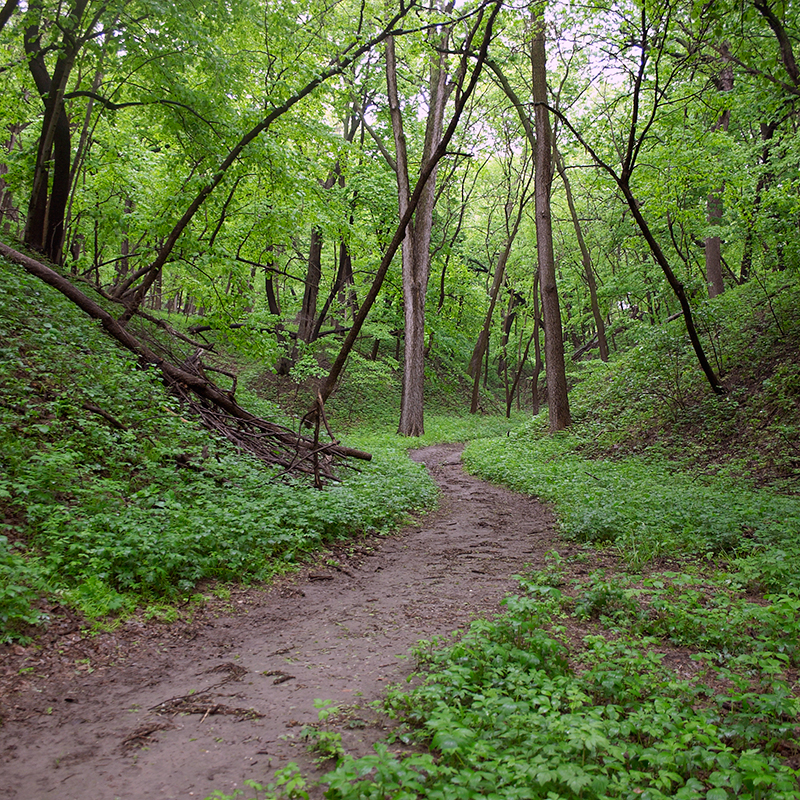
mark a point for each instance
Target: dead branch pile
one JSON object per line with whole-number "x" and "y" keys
{"x": 273, "y": 444}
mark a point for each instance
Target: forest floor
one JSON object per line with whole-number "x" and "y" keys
{"x": 181, "y": 709}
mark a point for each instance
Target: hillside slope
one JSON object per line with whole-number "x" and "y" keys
{"x": 110, "y": 495}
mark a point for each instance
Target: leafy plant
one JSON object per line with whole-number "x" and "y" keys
{"x": 121, "y": 499}
{"x": 509, "y": 718}
{"x": 18, "y": 577}
{"x": 288, "y": 784}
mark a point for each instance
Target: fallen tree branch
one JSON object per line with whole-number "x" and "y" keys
{"x": 217, "y": 408}
{"x": 109, "y": 418}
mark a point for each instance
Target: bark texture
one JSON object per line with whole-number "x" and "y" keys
{"x": 555, "y": 370}
{"x": 417, "y": 243}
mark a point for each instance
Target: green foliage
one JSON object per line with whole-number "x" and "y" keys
{"x": 439, "y": 429}
{"x": 18, "y": 577}
{"x": 324, "y": 745}
{"x": 517, "y": 708}
{"x": 368, "y": 394}
{"x": 144, "y": 504}
{"x": 646, "y": 506}
{"x": 289, "y": 784}
{"x": 604, "y": 598}
{"x": 509, "y": 717}
{"x": 651, "y": 394}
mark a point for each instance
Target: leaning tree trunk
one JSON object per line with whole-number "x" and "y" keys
{"x": 622, "y": 178}
{"x": 218, "y": 408}
{"x": 586, "y": 257}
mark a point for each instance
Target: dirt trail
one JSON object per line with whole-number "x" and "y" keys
{"x": 176, "y": 711}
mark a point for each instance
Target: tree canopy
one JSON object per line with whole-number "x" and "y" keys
{"x": 242, "y": 162}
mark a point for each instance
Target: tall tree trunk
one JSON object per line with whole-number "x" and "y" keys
{"x": 555, "y": 369}
{"x": 44, "y": 228}
{"x": 405, "y": 217}
{"x": 586, "y": 257}
{"x": 308, "y": 311}
{"x": 416, "y": 246}
{"x": 713, "y": 249}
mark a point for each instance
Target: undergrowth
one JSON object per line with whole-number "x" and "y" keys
{"x": 109, "y": 496}
{"x": 652, "y": 395}
{"x": 672, "y": 675}
{"x": 648, "y": 508}
{"x": 518, "y": 709}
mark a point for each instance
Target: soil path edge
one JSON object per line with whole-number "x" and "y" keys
{"x": 182, "y": 710}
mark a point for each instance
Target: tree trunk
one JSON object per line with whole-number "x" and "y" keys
{"x": 44, "y": 228}
{"x": 555, "y": 369}
{"x": 677, "y": 288}
{"x": 416, "y": 246}
{"x": 622, "y": 178}
{"x": 308, "y": 312}
{"x": 6, "y": 12}
{"x": 713, "y": 254}
{"x": 586, "y": 257}
{"x": 405, "y": 217}
{"x": 267, "y": 440}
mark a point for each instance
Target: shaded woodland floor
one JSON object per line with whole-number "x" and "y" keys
{"x": 155, "y": 710}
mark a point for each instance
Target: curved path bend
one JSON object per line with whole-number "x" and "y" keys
{"x": 180, "y": 710}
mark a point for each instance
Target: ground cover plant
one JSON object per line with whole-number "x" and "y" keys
{"x": 658, "y": 660}
{"x": 671, "y": 672}
{"x": 110, "y": 496}
{"x": 518, "y": 709}
{"x": 648, "y": 506}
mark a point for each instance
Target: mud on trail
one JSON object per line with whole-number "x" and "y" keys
{"x": 152, "y": 710}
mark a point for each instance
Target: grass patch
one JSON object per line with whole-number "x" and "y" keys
{"x": 647, "y": 507}
{"x": 110, "y": 497}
